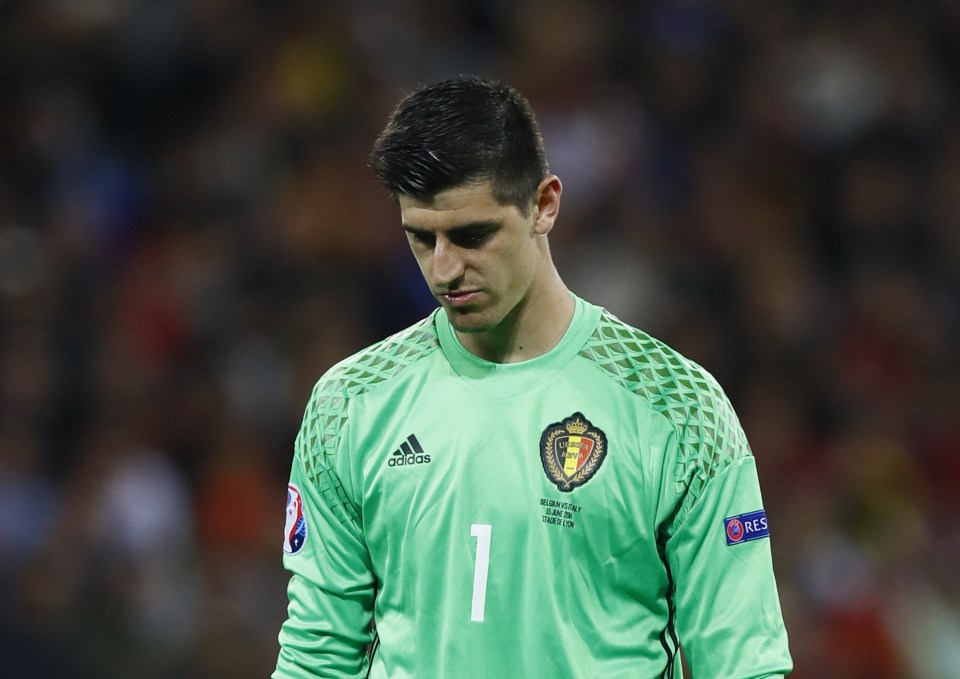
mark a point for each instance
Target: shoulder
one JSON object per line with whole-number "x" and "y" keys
{"x": 708, "y": 432}
{"x": 318, "y": 442}
{"x": 377, "y": 364}
{"x": 368, "y": 369}
{"x": 669, "y": 381}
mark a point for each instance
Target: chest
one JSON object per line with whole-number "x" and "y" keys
{"x": 568, "y": 465}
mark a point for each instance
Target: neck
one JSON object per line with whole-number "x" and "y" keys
{"x": 532, "y": 328}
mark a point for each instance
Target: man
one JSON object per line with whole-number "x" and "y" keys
{"x": 520, "y": 485}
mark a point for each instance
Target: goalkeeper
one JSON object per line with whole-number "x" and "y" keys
{"x": 520, "y": 485}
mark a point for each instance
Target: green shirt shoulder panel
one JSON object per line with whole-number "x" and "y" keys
{"x": 326, "y": 412}
{"x": 708, "y": 432}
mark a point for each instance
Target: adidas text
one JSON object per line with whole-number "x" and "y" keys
{"x": 409, "y": 453}
{"x": 398, "y": 459}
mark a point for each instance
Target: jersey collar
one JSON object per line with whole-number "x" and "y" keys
{"x": 504, "y": 380}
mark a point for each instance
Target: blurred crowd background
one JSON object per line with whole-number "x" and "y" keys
{"x": 190, "y": 236}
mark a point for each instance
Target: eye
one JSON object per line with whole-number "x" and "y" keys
{"x": 472, "y": 239}
{"x": 422, "y": 238}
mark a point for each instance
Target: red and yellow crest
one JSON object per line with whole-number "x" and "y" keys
{"x": 572, "y": 451}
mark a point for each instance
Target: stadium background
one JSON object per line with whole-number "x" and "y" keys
{"x": 189, "y": 236}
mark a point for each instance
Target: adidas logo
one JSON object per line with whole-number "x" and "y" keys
{"x": 409, "y": 452}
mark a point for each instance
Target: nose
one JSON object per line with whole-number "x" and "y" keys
{"x": 448, "y": 264}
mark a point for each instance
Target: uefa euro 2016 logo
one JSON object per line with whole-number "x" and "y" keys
{"x": 295, "y": 529}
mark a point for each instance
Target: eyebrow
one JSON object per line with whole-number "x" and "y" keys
{"x": 459, "y": 230}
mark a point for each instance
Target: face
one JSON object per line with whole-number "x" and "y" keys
{"x": 480, "y": 258}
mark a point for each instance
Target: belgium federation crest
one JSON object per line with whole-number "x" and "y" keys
{"x": 572, "y": 451}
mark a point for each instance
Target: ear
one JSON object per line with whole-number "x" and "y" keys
{"x": 547, "y": 204}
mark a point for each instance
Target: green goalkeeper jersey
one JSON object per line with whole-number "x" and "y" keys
{"x": 578, "y": 515}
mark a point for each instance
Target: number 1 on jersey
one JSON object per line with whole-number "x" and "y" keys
{"x": 481, "y": 531}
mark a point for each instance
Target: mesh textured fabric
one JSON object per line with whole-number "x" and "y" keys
{"x": 326, "y": 411}
{"x": 710, "y": 435}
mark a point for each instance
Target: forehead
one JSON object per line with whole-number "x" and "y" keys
{"x": 460, "y": 205}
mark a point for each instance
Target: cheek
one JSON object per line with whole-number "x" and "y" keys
{"x": 526, "y": 260}
{"x": 517, "y": 270}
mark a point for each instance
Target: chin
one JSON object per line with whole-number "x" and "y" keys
{"x": 470, "y": 322}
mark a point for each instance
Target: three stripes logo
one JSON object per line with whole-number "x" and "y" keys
{"x": 409, "y": 453}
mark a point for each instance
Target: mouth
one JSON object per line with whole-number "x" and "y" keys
{"x": 460, "y": 298}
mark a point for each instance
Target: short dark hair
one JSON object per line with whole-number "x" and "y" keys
{"x": 459, "y": 131}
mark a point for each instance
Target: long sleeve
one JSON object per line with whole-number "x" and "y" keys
{"x": 331, "y": 590}
{"x": 717, "y": 547}
{"x": 728, "y": 609}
